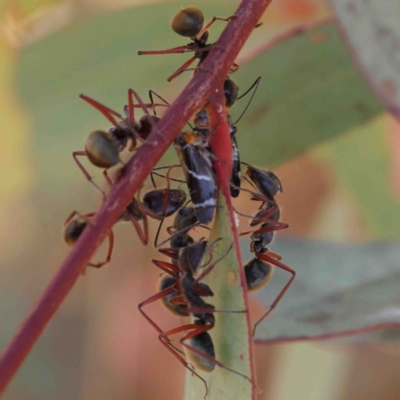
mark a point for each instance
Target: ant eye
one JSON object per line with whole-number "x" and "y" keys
{"x": 188, "y": 22}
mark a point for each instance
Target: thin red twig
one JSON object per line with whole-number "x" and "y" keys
{"x": 333, "y": 335}
{"x": 221, "y": 146}
{"x": 192, "y": 98}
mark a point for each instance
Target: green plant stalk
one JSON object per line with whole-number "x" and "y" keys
{"x": 232, "y": 335}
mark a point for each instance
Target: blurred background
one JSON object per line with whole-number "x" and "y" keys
{"x": 344, "y": 190}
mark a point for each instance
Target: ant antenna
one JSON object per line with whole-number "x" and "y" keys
{"x": 255, "y": 86}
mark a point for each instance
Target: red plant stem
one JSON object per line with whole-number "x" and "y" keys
{"x": 221, "y": 146}
{"x": 192, "y": 98}
{"x": 333, "y": 335}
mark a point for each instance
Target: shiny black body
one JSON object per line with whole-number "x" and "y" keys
{"x": 164, "y": 202}
{"x": 200, "y": 178}
{"x": 235, "y": 177}
{"x": 266, "y": 181}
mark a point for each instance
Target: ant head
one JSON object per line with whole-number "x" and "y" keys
{"x": 266, "y": 181}
{"x": 132, "y": 211}
{"x": 73, "y": 230}
{"x": 231, "y": 90}
{"x": 146, "y": 124}
{"x": 188, "y": 22}
{"x": 258, "y": 273}
{"x": 102, "y": 149}
{"x": 181, "y": 240}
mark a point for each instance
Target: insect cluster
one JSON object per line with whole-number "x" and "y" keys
{"x": 181, "y": 288}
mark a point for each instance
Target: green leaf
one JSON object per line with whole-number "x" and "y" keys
{"x": 230, "y": 334}
{"x": 373, "y": 33}
{"x": 361, "y": 162}
{"x": 338, "y": 288}
{"x": 310, "y": 92}
{"x": 97, "y": 57}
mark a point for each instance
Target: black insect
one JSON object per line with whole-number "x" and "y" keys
{"x": 258, "y": 271}
{"x": 189, "y": 22}
{"x": 200, "y": 177}
{"x": 157, "y": 204}
{"x": 103, "y": 148}
{"x": 182, "y": 295}
{"x": 74, "y": 226}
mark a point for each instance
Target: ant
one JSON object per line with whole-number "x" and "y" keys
{"x": 103, "y": 148}
{"x": 73, "y": 228}
{"x": 258, "y": 271}
{"x": 158, "y": 204}
{"x": 189, "y": 22}
{"x": 181, "y": 293}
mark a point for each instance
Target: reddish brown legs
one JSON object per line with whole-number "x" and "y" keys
{"x": 77, "y": 154}
{"x": 271, "y": 259}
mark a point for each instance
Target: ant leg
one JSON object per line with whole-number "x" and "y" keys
{"x": 272, "y": 260}
{"x": 85, "y": 216}
{"x": 152, "y": 299}
{"x": 158, "y": 233}
{"x": 142, "y": 233}
{"x": 131, "y": 107}
{"x": 160, "y": 295}
{"x": 276, "y": 226}
{"x": 181, "y": 69}
{"x": 212, "y": 266}
{"x": 76, "y": 154}
{"x": 173, "y": 50}
{"x": 109, "y": 253}
{"x": 151, "y": 93}
{"x": 168, "y": 268}
{"x": 201, "y": 329}
{"x": 106, "y": 111}
{"x": 163, "y": 339}
{"x": 212, "y": 22}
{"x": 163, "y": 176}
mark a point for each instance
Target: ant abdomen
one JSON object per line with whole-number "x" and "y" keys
{"x": 73, "y": 230}
{"x": 204, "y": 344}
{"x": 258, "y": 273}
{"x": 188, "y": 22}
{"x": 165, "y": 282}
{"x": 164, "y": 202}
{"x": 102, "y": 149}
{"x": 231, "y": 90}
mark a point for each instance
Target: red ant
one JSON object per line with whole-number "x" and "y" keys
{"x": 189, "y": 22}
{"x": 73, "y": 228}
{"x": 181, "y": 293}
{"x": 103, "y": 148}
{"x": 158, "y": 204}
{"x": 259, "y": 270}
